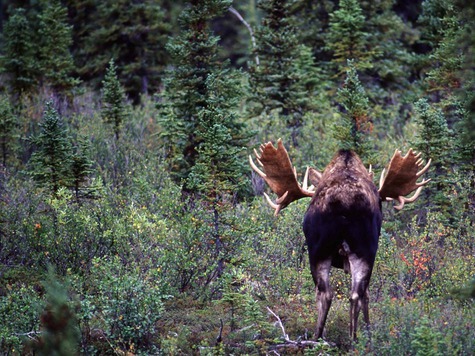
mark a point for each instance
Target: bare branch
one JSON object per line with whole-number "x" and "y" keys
{"x": 291, "y": 343}
{"x": 31, "y": 334}
{"x": 286, "y": 337}
{"x": 249, "y": 28}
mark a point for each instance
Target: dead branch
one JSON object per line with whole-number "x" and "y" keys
{"x": 292, "y": 343}
{"x": 249, "y": 28}
{"x": 31, "y": 334}
{"x": 286, "y": 337}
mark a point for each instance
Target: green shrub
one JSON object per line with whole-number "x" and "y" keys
{"x": 426, "y": 341}
{"x": 20, "y": 308}
{"x": 425, "y": 327}
{"x": 125, "y": 303}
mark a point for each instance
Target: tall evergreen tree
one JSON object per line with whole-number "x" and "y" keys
{"x": 467, "y": 45}
{"x": 81, "y": 167}
{"x": 433, "y": 135}
{"x": 280, "y": 79}
{"x": 205, "y": 138}
{"x": 201, "y": 98}
{"x": 434, "y": 140}
{"x": 55, "y": 59}
{"x": 347, "y": 37}
{"x": 51, "y": 161}
{"x": 218, "y": 169}
{"x": 450, "y": 80}
{"x": 446, "y": 59}
{"x": 7, "y": 128}
{"x": 114, "y": 109}
{"x": 352, "y": 132}
{"x": 434, "y": 19}
{"x": 133, "y": 33}
{"x": 19, "y": 53}
{"x": 388, "y": 43}
{"x": 312, "y": 20}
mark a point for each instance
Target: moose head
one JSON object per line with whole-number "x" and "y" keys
{"x": 343, "y": 221}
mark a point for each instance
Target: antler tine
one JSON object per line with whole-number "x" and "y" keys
{"x": 403, "y": 200}
{"x": 414, "y": 197}
{"x": 370, "y": 172}
{"x": 424, "y": 182}
{"x": 256, "y": 169}
{"x": 381, "y": 179}
{"x": 273, "y": 205}
{"x": 256, "y": 153}
{"x": 305, "y": 185}
{"x": 280, "y": 200}
{"x": 258, "y": 158}
{"x": 423, "y": 170}
{"x": 262, "y": 147}
{"x": 400, "y": 205}
{"x": 305, "y": 180}
{"x": 278, "y": 204}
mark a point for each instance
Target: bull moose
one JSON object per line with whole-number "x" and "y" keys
{"x": 343, "y": 221}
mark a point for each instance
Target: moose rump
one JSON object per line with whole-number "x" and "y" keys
{"x": 342, "y": 227}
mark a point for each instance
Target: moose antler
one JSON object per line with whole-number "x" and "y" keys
{"x": 280, "y": 175}
{"x": 401, "y": 180}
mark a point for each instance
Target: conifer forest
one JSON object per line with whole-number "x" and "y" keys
{"x": 132, "y": 222}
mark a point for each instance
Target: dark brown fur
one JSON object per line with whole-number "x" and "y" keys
{"x": 342, "y": 227}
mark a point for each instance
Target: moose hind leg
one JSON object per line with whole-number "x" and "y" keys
{"x": 324, "y": 294}
{"x": 359, "y": 299}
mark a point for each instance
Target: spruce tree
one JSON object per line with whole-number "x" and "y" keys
{"x": 81, "y": 167}
{"x": 388, "y": 48}
{"x": 450, "y": 80}
{"x": 19, "y": 53}
{"x": 218, "y": 169}
{"x": 55, "y": 59}
{"x": 114, "y": 108}
{"x": 433, "y": 19}
{"x": 201, "y": 97}
{"x": 51, "y": 160}
{"x": 133, "y": 33}
{"x": 280, "y": 81}
{"x": 204, "y": 137}
{"x": 312, "y": 19}
{"x": 467, "y": 45}
{"x": 434, "y": 140}
{"x": 7, "y": 128}
{"x": 346, "y": 36}
{"x": 446, "y": 59}
{"x": 353, "y": 130}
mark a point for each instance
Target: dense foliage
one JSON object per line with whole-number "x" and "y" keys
{"x": 129, "y": 221}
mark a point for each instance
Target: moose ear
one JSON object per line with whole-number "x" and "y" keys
{"x": 314, "y": 176}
